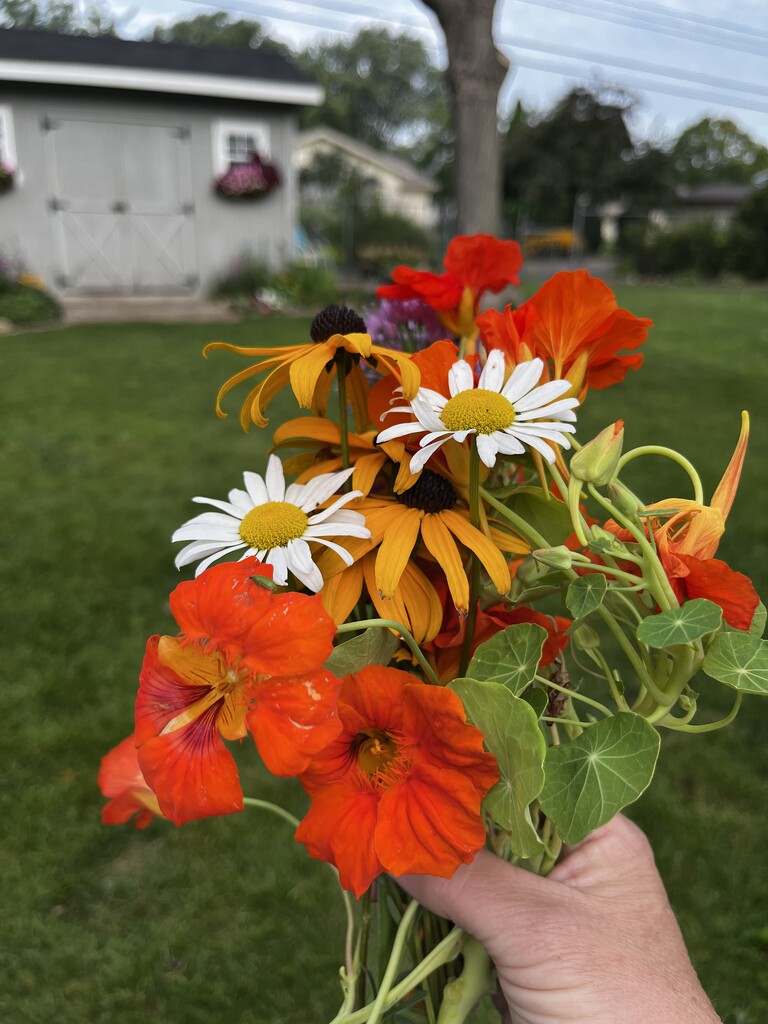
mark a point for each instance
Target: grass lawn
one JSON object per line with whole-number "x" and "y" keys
{"x": 107, "y": 431}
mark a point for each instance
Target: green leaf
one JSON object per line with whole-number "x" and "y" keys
{"x": 758, "y": 620}
{"x": 740, "y": 660}
{"x": 591, "y": 778}
{"x": 510, "y": 657}
{"x": 547, "y": 516}
{"x": 585, "y": 594}
{"x": 373, "y": 647}
{"x": 692, "y": 620}
{"x": 537, "y": 699}
{"x": 511, "y": 730}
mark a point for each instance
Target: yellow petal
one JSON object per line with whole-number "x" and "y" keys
{"x": 341, "y": 592}
{"x": 366, "y": 470}
{"x": 258, "y": 351}
{"x": 401, "y": 366}
{"x": 422, "y": 604}
{"x": 357, "y": 389}
{"x": 257, "y": 401}
{"x": 326, "y": 466}
{"x": 494, "y": 563}
{"x": 306, "y": 370}
{"x": 306, "y": 428}
{"x": 399, "y": 539}
{"x": 442, "y": 547}
{"x": 508, "y": 542}
{"x": 322, "y": 393}
{"x": 387, "y": 608}
{"x": 725, "y": 492}
{"x": 353, "y": 342}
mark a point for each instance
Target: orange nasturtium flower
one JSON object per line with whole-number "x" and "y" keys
{"x": 687, "y": 535}
{"x": 575, "y": 325}
{"x": 474, "y": 264}
{"x": 247, "y": 660}
{"x": 338, "y": 338}
{"x": 121, "y": 779}
{"x": 400, "y": 788}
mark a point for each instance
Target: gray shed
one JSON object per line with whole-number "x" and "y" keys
{"x": 116, "y": 146}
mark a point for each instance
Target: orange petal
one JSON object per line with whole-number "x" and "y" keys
{"x": 293, "y": 718}
{"x": 441, "y": 545}
{"x": 366, "y": 470}
{"x": 716, "y": 581}
{"x": 396, "y": 547}
{"x": 494, "y": 563}
{"x": 341, "y": 592}
{"x": 725, "y": 492}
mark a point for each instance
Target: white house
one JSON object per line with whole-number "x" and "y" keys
{"x": 116, "y": 146}
{"x": 401, "y": 187}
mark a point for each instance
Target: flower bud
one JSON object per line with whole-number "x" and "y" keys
{"x": 559, "y": 557}
{"x": 597, "y": 461}
{"x": 585, "y": 638}
{"x": 624, "y": 500}
{"x": 530, "y": 570}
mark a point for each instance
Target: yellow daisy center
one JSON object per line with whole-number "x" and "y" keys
{"x": 272, "y": 525}
{"x": 479, "y": 409}
{"x": 375, "y": 749}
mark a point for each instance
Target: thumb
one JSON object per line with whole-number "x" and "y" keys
{"x": 480, "y": 896}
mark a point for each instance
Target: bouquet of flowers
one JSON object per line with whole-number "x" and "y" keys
{"x": 248, "y": 181}
{"x": 452, "y": 621}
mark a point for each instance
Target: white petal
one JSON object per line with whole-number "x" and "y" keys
{"x": 343, "y": 554}
{"x": 487, "y": 449}
{"x": 219, "y": 554}
{"x": 256, "y": 488}
{"x": 435, "y": 399}
{"x": 346, "y": 515}
{"x": 426, "y": 414}
{"x": 225, "y": 506}
{"x": 492, "y": 377}
{"x": 399, "y": 430}
{"x": 508, "y": 445}
{"x": 333, "y": 529}
{"x": 539, "y": 445}
{"x": 196, "y": 550}
{"x": 539, "y": 396}
{"x": 405, "y": 409}
{"x": 241, "y": 500}
{"x": 276, "y": 558}
{"x": 419, "y": 460}
{"x": 300, "y": 563}
{"x": 523, "y": 378}
{"x": 460, "y": 377}
{"x": 275, "y": 479}
{"x": 549, "y": 431}
{"x": 322, "y": 487}
{"x": 562, "y": 408}
{"x": 433, "y": 436}
{"x": 320, "y": 517}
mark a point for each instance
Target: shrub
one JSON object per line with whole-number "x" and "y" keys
{"x": 27, "y": 305}
{"x": 246, "y": 275}
{"x": 747, "y": 245}
{"x": 309, "y": 286}
{"x": 697, "y": 249}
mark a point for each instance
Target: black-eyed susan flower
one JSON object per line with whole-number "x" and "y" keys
{"x": 339, "y": 341}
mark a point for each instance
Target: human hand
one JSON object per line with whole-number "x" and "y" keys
{"x": 596, "y": 941}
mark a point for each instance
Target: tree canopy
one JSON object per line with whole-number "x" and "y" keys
{"x": 217, "y": 29}
{"x": 716, "y": 150}
{"x": 64, "y": 16}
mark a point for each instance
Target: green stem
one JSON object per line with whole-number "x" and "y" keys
{"x": 474, "y": 576}
{"x": 398, "y": 627}
{"x": 685, "y": 667}
{"x": 660, "y": 586}
{"x": 443, "y": 953}
{"x": 265, "y": 805}
{"x": 462, "y": 995}
{"x": 361, "y": 958}
{"x": 668, "y": 453}
{"x": 709, "y": 726}
{"x": 619, "y": 701}
{"x": 574, "y": 693}
{"x": 523, "y": 528}
{"x": 401, "y": 936}
{"x": 341, "y": 377}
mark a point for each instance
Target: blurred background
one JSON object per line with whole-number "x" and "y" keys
{"x": 173, "y": 173}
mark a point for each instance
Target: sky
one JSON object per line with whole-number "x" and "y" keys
{"x": 684, "y": 59}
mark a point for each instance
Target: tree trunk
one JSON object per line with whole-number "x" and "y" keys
{"x": 476, "y": 70}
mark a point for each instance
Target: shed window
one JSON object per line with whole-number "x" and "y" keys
{"x": 7, "y": 145}
{"x": 236, "y": 141}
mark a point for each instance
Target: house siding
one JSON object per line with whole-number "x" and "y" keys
{"x": 208, "y": 231}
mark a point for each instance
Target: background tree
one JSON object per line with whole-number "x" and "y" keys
{"x": 716, "y": 150}
{"x": 217, "y": 29}
{"x": 61, "y": 16}
{"x": 476, "y": 70}
{"x": 580, "y": 150}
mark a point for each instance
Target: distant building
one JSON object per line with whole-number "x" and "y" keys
{"x": 717, "y": 203}
{"x": 400, "y": 187}
{"x": 116, "y": 146}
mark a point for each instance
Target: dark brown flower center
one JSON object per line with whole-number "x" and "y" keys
{"x": 430, "y": 493}
{"x": 335, "y": 319}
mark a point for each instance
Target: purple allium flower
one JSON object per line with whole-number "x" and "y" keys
{"x": 404, "y": 324}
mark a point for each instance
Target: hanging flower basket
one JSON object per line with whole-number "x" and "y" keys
{"x": 248, "y": 181}
{"x": 6, "y": 177}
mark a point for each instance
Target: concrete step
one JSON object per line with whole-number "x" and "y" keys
{"x": 144, "y": 309}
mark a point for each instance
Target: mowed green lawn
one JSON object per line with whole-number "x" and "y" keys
{"x": 107, "y": 432}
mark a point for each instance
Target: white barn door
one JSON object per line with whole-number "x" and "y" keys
{"x": 121, "y": 203}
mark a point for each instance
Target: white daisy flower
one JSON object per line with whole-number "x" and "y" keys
{"x": 274, "y": 523}
{"x": 506, "y": 418}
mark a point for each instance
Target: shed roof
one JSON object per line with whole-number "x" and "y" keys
{"x": 107, "y": 62}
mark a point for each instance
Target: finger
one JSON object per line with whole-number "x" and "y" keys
{"x": 480, "y": 896}
{"x": 609, "y": 856}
